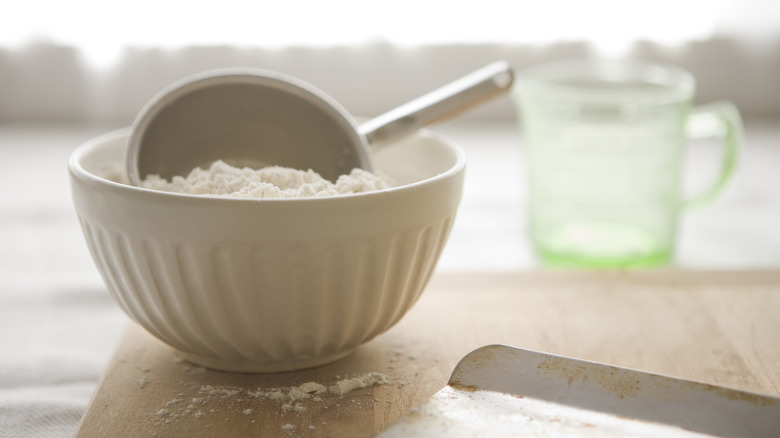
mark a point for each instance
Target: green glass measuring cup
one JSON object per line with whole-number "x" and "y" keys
{"x": 605, "y": 145}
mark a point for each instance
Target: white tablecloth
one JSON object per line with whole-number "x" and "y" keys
{"x": 59, "y": 327}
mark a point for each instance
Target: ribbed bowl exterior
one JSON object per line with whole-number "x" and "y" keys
{"x": 267, "y": 308}
{"x": 263, "y": 286}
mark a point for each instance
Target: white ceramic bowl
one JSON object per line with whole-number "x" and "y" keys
{"x": 269, "y": 285}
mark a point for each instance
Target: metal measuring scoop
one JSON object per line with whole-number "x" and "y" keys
{"x": 257, "y": 118}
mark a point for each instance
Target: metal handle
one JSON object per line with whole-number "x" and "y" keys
{"x": 440, "y": 104}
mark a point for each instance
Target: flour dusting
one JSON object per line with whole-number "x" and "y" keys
{"x": 348, "y": 385}
{"x": 222, "y": 179}
{"x": 293, "y": 400}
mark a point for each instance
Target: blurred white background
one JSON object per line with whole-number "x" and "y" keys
{"x": 97, "y": 61}
{"x": 102, "y": 29}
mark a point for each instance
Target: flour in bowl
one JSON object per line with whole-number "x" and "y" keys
{"x": 222, "y": 179}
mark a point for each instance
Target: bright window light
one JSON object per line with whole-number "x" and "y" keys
{"x": 102, "y": 29}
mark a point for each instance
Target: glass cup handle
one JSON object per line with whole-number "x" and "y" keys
{"x": 722, "y": 120}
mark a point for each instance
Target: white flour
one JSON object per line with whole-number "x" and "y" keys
{"x": 222, "y": 179}
{"x": 292, "y": 400}
{"x": 311, "y": 390}
{"x": 348, "y": 385}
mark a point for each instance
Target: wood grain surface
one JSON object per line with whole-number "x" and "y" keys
{"x": 720, "y": 328}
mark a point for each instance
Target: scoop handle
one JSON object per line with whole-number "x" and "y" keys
{"x": 440, "y": 104}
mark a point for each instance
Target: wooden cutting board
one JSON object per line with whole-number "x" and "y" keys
{"x": 721, "y": 328}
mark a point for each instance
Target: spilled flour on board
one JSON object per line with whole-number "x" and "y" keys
{"x": 200, "y": 401}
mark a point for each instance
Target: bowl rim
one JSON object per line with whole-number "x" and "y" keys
{"x": 78, "y": 172}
